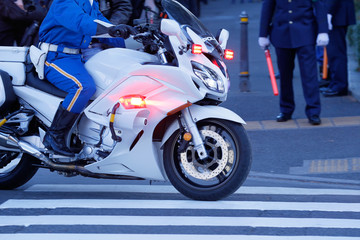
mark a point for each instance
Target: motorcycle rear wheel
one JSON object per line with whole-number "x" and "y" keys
{"x": 16, "y": 169}
{"x": 220, "y": 175}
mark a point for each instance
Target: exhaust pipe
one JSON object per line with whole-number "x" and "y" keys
{"x": 7, "y": 141}
{"x": 10, "y": 141}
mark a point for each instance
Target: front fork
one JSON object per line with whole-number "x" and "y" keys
{"x": 196, "y": 137}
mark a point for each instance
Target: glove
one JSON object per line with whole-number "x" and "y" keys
{"x": 264, "y": 42}
{"x": 121, "y": 30}
{"x": 322, "y": 39}
{"x": 329, "y": 18}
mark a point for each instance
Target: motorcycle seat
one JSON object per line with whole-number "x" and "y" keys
{"x": 34, "y": 81}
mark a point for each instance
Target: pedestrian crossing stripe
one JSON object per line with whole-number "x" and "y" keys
{"x": 179, "y": 204}
{"x": 198, "y": 221}
{"x": 171, "y": 189}
{"x": 61, "y": 218}
{"x": 33, "y": 236}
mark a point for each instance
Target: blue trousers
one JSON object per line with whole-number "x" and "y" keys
{"x": 67, "y": 72}
{"x": 338, "y": 62}
{"x": 308, "y": 71}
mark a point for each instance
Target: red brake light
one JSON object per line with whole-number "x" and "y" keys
{"x": 229, "y": 54}
{"x": 133, "y": 101}
{"x": 196, "y": 49}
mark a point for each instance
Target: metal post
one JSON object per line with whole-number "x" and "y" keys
{"x": 244, "y": 53}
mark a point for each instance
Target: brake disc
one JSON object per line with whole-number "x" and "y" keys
{"x": 211, "y": 167}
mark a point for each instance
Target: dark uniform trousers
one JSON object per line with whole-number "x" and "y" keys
{"x": 343, "y": 12}
{"x": 307, "y": 62}
{"x": 337, "y": 55}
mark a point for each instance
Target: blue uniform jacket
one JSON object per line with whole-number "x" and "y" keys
{"x": 293, "y": 23}
{"x": 343, "y": 12}
{"x": 70, "y": 23}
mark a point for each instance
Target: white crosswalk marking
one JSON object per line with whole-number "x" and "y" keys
{"x": 178, "y": 221}
{"x": 274, "y": 208}
{"x": 161, "y": 237}
{"x": 182, "y": 204}
{"x": 171, "y": 189}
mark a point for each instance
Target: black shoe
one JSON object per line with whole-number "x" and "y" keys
{"x": 55, "y": 138}
{"x": 314, "y": 120}
{"x": 324, "y": 83}
{"x": 332, "y": 93}
{"x": 324, "y": 89}
{"x": 282, "y": 117}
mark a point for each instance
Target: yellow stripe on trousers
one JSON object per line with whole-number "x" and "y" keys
{"x": 70, "y": 77}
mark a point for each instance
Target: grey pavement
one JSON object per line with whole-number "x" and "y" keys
{"x": 294, "y": 148}
{"x": 259, "y": 104}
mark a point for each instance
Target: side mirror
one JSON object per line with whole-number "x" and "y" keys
{"x": 223, "y": 37}
{"x": 172, "y": 28}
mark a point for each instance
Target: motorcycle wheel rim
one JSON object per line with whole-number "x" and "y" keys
{"x": 220, "y": 174}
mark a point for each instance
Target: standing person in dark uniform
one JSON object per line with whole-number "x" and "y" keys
{"x": 294, "y": 27}
{"x": 341, "y": 14}
{"x": 15, "y": 16}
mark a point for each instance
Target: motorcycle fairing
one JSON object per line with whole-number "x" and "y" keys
{"x": 199, "y": 113}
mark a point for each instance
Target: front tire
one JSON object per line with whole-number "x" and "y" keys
{"x": 16, "y": 169}
{"x": 220, "y": 175}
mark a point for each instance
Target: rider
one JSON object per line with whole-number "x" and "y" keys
{"x": 66, "y": 30}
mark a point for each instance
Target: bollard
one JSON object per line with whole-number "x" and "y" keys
{"x": 244, "y": 53}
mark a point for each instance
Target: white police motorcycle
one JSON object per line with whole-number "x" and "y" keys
{"x": 155, "y": 114}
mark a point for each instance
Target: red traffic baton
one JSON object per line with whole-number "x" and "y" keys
{"x": 271, "y": 72}
{"x": 325, "y": 64}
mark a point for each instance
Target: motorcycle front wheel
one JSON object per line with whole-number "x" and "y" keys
{"x": 218, "y": 176}
{"x": 16, "y": 169}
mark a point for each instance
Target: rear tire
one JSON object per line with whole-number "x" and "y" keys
{"x": 17, "y": 170}
{"x": 218, "y": 176}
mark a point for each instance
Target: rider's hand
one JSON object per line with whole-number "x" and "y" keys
{"x": 122, "y": 30}
{"x": 264, "y": 42}
{"x": 322, "y": 39}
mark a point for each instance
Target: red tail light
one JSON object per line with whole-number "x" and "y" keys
{"x": 229, "y": 54}
{"x": 196, "y": 49}
{"x": 133, "y": 101}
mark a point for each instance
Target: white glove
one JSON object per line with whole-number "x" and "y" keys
{"x": 264, "y": 42}
{"x": 322, "y": 39}
{"x": 329, "y": 18}
{"x": 20, "y": 4}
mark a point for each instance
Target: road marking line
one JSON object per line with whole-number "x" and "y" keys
{"x": 179, "y": 221}
{"x": 180, "y": 204}
{"x": 33, "y": 236}
{"x": 171, "y": 189}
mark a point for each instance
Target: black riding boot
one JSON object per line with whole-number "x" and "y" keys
{"x": 55, "y": 138}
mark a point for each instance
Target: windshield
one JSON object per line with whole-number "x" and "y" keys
{"x": 185, "y": 18}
